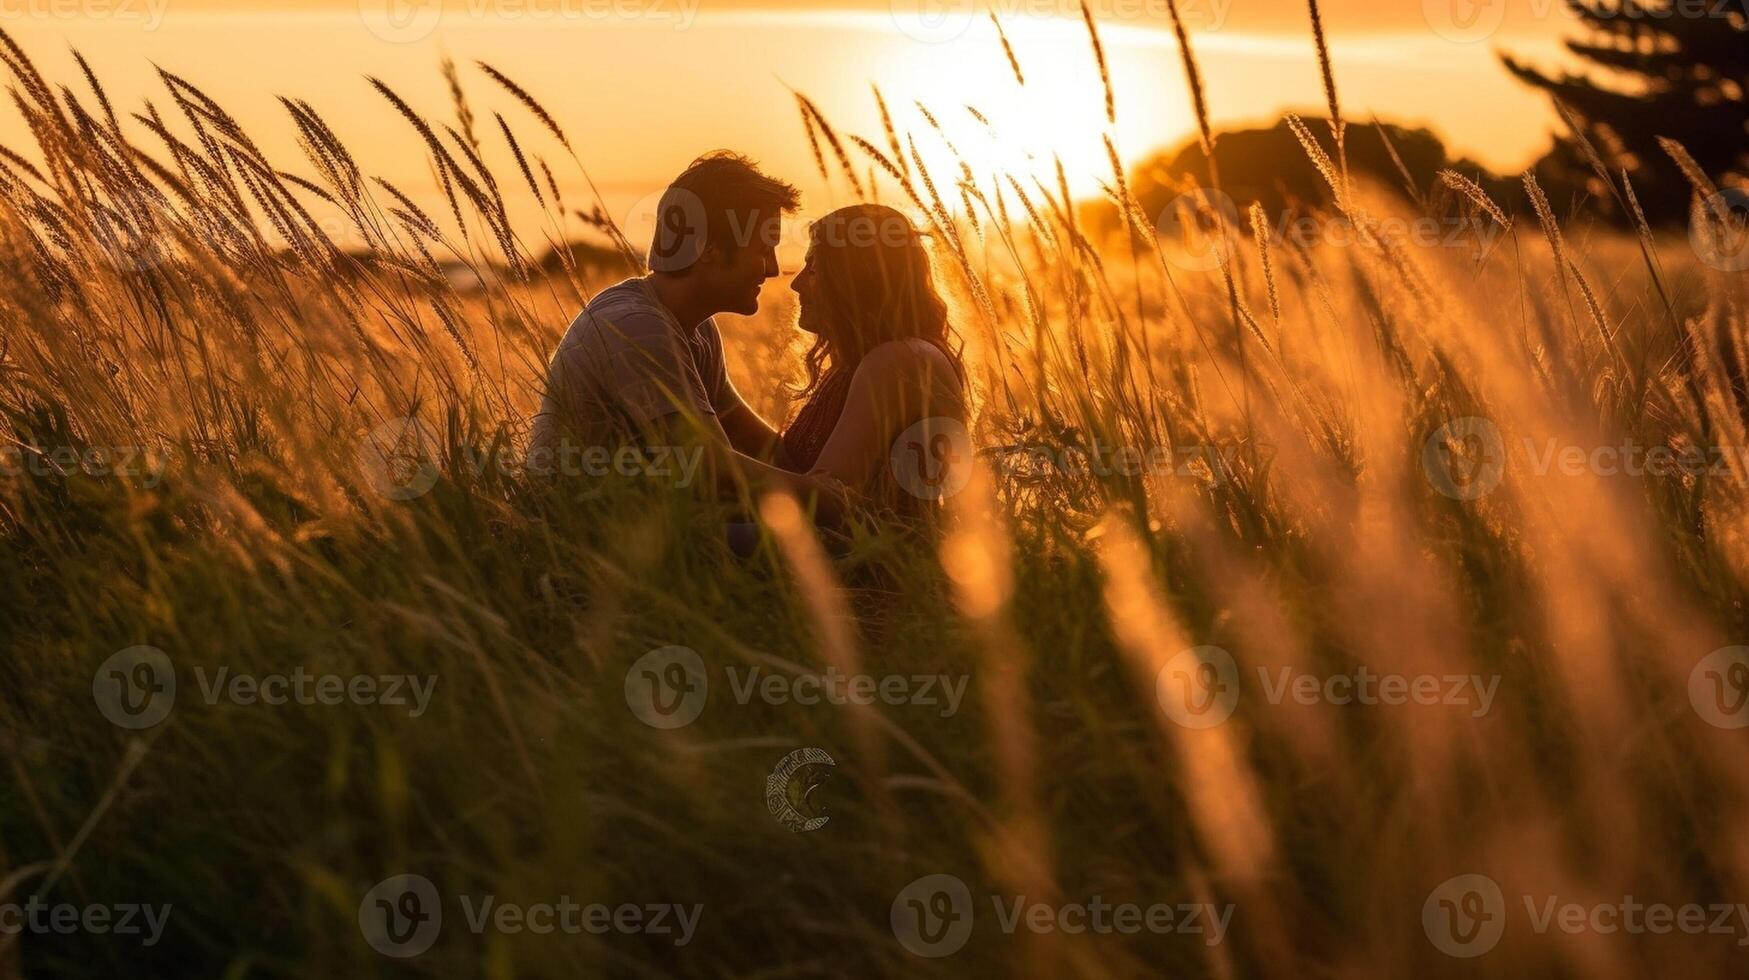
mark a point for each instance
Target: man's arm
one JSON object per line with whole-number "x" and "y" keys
{"x": 749, "y": 434}
{"x": 733, "y": 471}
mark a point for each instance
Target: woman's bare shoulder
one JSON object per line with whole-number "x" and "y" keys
{"x": 908, "y": 357}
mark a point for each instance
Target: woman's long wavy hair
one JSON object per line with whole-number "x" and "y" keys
{"x": 874, "y": 278}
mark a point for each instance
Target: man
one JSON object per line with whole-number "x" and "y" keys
{"x": 643, "y": 363}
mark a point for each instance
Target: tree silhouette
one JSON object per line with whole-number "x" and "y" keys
{"x": 1674, "y": 68}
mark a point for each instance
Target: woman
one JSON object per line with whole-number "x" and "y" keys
{"x": 885, "y": 410}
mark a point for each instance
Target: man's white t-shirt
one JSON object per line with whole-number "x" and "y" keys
{"x": 624, "y": 363}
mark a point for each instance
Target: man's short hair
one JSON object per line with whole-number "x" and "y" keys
{"x": 726, "y": 197}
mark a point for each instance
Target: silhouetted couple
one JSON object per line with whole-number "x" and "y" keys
{"x": 643, "y": 365}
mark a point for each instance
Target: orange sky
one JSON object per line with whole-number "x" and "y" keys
{"x": 644, "y": 85}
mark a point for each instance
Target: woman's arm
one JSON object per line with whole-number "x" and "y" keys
{"x": 731, "y": 469}
{"x": 896, "y": 386}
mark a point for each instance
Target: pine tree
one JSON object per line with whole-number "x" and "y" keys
{"x": 1675, "y": 68}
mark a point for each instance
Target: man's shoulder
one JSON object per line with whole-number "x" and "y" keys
{"x": 623, "y": 312}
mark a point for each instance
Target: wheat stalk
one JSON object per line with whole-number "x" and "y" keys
{"x": 1099, "y": 56}
{"x": 1008, "y": 49}
{"x": 813, "y": 137}
{"x": 1476, "y": 195}
{"x": 521, "y": 161}
{"x": 464, "y": 114}
{"x": 1260, "y": 231}
{"x": 1199, "y": 100}
{"x": 1338, "y": 128}
{"x": 892, "y": 134}
{"x": 425, "y": 223}
{"x": 1546, "y": 216}
{"x": 833, "y": 141}
{"x": 528, "y": 102}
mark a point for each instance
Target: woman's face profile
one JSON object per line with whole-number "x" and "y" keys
{"x": 807, "y": 289}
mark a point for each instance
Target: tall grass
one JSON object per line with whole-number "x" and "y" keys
{"x": 166, "y": 287}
